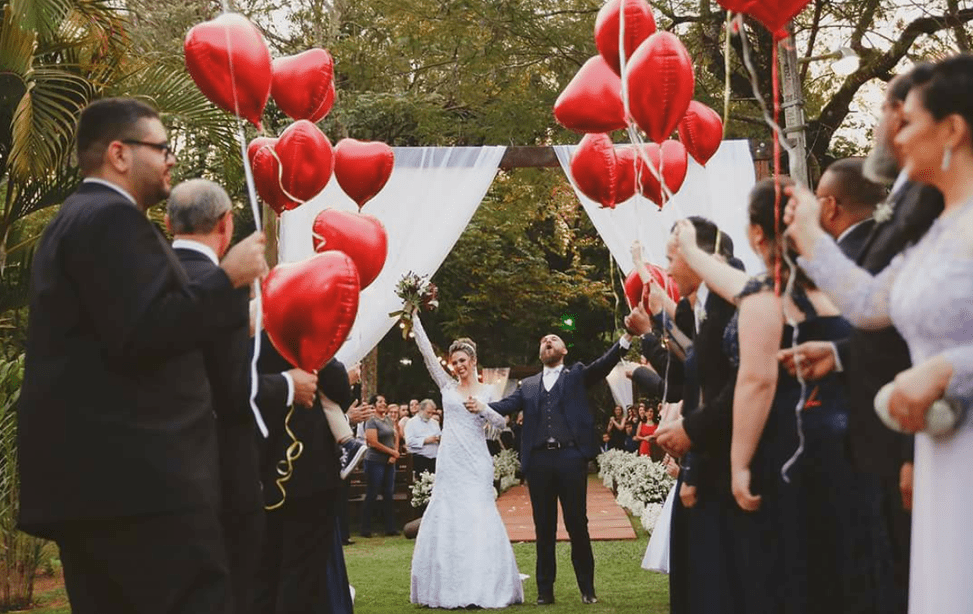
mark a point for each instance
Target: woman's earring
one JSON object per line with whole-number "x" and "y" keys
{"x": 947, "y": 158}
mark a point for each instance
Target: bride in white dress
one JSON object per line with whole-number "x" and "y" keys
{"x": 463, "y": 555}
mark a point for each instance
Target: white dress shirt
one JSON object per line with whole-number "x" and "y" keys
{"x": 109, "y": 184}
{"x": 417, "y": 430}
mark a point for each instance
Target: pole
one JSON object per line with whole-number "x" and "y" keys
{"x": 793, "y": 105}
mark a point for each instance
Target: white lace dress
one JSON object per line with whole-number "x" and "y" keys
{"x": 927, "y": 293}
{"x": 463, "y": 555}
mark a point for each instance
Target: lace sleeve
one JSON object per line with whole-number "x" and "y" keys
{"x": 489, "y": 416}
{"x": 960, "y": 386}
{"x": 862, "y": 298}
{"x": 429, "y": 356}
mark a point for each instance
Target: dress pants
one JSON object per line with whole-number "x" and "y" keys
{"x": 295, "y": 558}
{"x": 422, "y": 463}
{"x": 171, "y": 563}
{"x": 561, "y": 475}
{"x": 243, "y": 534}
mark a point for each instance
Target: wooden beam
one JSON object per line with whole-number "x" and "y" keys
{"x": 544, "y": 156}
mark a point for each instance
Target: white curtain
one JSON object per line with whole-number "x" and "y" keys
{"x": 718, "y": 192}
{"x": 425, "y": 206}
{"x": 620, "y": 385}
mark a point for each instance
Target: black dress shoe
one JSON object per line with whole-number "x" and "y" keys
{"x": 589, "y": 598}
{"x": 545, "y": 599}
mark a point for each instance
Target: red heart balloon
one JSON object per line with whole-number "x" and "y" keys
{"x": 592, "y": 100}
{"x": 674, "y": 163}
{"x": 633, "y": 285}
{"x": 594, "y": 169}
{"x": 310, "y": 306}
{"x": 292, "y": 169}
{"x": 639, "y": 25}
{"x": 230, "y": 63}
{"x": 660, "y": 85}
{"x": 360, "y": 236}
{"x": 266, "y": 174}
{"x": 625, "y": 173}
{"x": 303, "y": 84}
{"x": 774, "y": 14}
{"x": 701, "y": 131}
{"x": 362, "y": 168}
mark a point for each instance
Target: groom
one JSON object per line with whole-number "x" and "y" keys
{"x": 557, "y": 441}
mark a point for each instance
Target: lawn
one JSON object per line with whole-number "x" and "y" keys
{"x": 379, "y": 569}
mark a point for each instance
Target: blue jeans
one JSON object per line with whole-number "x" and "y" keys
{"x": 380, "y": 475}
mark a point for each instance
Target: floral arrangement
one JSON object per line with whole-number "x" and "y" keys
{"x": 422, "y": 489}
{"x": 640, "y": 483}
{"x": 506, "y": 464}
{"x": 416, "y": 292}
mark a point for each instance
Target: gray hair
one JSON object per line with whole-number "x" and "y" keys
{"x": 196, "y": 205}
{"x": 427, "y": 404}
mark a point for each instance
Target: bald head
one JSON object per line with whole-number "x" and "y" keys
{"x": 196, "y": 206}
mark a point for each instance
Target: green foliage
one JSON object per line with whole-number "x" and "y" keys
{"x": 21, "y": 553}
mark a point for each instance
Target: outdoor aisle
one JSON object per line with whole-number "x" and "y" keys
{"x": 606, "y": 520}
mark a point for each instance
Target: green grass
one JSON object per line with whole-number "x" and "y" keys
{"x": 379, "y": 567}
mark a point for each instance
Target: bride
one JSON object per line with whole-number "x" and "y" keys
{"x": 463, "y": 556}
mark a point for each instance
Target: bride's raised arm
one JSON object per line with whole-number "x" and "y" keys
{"x": 429, "y": 357}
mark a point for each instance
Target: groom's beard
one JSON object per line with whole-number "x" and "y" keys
{"x": 881, "y": 166}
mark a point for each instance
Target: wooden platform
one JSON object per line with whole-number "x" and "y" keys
{"x": 606, "y": 520}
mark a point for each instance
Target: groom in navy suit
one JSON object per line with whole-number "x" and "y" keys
{"x": 558, "y": 440}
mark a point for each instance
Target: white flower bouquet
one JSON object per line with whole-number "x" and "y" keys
{"x": 422, "y": 489}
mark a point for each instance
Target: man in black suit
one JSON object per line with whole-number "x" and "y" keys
{"x": 199, "y": 214}
{"x": 301, "y": 566}
{"x": 700, "y": 529}
{"x": 872, "y": 358}
{"x": 558, "y": 439}
{"x": 848, "y": 203}
{"x": 117, "y": 437}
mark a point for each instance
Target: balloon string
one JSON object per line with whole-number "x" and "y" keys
{"x": 252, "y": 194}
{"x": 777, "y": 158}
{"x": 726, "y": 70}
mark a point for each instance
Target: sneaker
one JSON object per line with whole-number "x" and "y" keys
{"x": 352, "y": 453}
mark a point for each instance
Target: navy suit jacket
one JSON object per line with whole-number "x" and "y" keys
{"x": 574, "y": 382}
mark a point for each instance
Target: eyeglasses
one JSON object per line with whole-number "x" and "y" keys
{"x": 163, "y": 147}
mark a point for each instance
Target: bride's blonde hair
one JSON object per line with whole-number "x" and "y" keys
{"x": 463, "y": 344}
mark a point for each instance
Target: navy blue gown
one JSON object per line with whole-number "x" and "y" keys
{"x": 816, "y": 544}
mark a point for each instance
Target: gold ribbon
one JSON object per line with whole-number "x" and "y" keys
{"x": 285, "y": 467}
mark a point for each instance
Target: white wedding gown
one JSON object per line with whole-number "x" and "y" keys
{"x": 463, "y": 555}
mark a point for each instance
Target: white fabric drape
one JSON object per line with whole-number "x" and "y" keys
{"x": 425, "y": 206}
{"x": 620, "y": 385}
{"x": 718, "y": 192}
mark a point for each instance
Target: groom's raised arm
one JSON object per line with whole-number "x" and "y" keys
{"x": 510, "y": 404}
{"x": 600, "y": 368}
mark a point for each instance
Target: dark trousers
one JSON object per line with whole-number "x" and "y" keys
{"x": 561, "y": 475}
{"x": 162, "y": 564}
{"x": 294, "y": 562}
{"x": 243, "y": 534}
{"x": 380, "y": 476}
{"x": 422, "y": 463}
{"x": 341, "y": 509}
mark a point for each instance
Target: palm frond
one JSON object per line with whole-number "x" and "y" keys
{"x": 44, "y": 121}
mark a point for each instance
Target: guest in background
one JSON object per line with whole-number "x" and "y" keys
{"x": 631, "y": 445}
{"x": 645, "y": 430}
{"x": 422, "y": 436}
{"x": 383, "y": 451}
{"x": 616, "y": 429}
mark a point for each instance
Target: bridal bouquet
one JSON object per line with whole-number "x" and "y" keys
{"x": 422, "y": 489}
{"x": 416, "y": 292}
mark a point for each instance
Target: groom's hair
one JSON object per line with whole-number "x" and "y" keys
{"x": 709, "y": 238}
